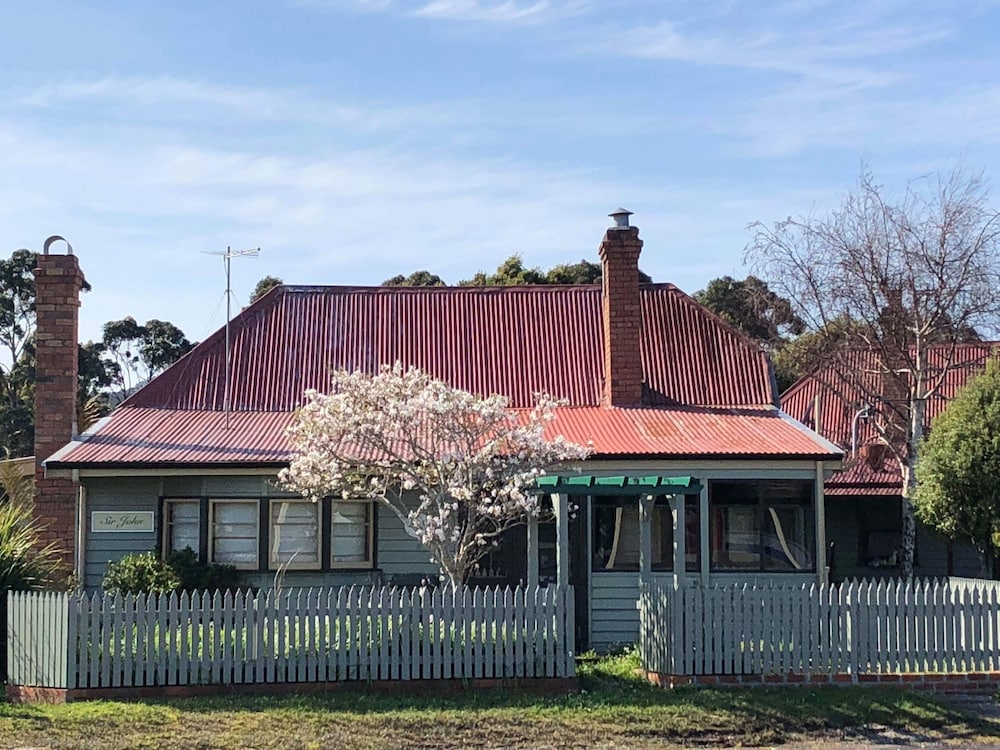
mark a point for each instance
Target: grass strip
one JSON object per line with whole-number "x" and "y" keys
{"x": 613, "y": 708}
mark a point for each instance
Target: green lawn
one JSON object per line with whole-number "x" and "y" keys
{"x": 614, "y": 708}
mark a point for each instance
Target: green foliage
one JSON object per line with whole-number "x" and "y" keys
{"x": 797, "y": 357}
{"x": 139, "y": 573}
{"x": 958, "y": 470}
{"x": 24, "y": 565}
{"x": 265, "y": 285}
{"x": 417, "y": 278}
{"x": 513, "y": 273}
{"x": 17, "y": 489}
{"x": 509, "y": 273}
{"x": 614, "y": 707}
{"x": 752, "y": 307}
{"x": 17, "y": 302}
{"x": 139, "y": 352}
{"x": 197, "y": 575}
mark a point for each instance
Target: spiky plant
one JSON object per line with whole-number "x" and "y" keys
{"x": 16, "y": 488}
{"x": 24, "y": 565}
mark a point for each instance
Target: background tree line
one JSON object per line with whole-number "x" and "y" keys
{"x": 127, "y": 356}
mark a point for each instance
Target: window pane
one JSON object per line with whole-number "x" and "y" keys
{"x": 762, "y": 525}
{"x": 234, "y": 533}
{"x": 351, "y": 532}
{"x": 295, "y": 533}
{"x": 616, "y": 537}
{"x": 735, "y": 538}
{"x": 182, "y": 525}
{"x": 787, "y": 542}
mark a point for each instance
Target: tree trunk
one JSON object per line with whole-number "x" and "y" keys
{"x": 909, "y": 522}
{"x": 918, "y": 406}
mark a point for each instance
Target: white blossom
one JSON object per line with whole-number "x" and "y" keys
{"x": 471, "y": 461}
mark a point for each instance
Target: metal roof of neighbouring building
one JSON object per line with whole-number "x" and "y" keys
{"x": 874, "y": 472}
{"x": 708, "y": 389}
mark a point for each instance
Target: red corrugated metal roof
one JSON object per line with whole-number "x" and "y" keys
{"x": 516, "y": 341}
{"x": 713, "y": 384}
{"x": 860, "y": 477}
{"x": 136, "y": 436}
{"x": 842, "y": 396}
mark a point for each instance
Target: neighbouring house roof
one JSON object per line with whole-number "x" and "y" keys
{"x": 840, "y": 398}
{"x": 708, "y": 389}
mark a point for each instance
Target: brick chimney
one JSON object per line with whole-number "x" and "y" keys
{"x": 619, "y": 253}
{"x": 58, "y": 281}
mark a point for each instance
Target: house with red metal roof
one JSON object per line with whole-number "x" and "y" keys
{"x": 669, "y": 396}
{"x": 863, "y": 502}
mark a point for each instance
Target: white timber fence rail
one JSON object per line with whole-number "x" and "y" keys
{"x": 855, "y": 628}
{"x": 69, "y": 640}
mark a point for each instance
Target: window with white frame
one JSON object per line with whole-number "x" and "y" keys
{"x": 762, "y": 525}
{"x": 181, "y": 525}
{"x": 351, "y": 534}
{"x": 616, "y": 535}
{"x": 235, "y": 532}
{"x": 294, "y": 534}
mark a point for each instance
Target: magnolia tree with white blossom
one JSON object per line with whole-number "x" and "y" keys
{"x": 457, "y": 469}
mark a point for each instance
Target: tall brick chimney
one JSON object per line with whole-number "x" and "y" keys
{"x": 58, "y": 281}
{"x": 619, "y": 253}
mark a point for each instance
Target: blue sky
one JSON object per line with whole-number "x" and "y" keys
{"x": 356, "y": 139}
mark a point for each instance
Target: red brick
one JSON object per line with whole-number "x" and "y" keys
{"x": 619, "y": 253}
{"x": 58, "y": 283}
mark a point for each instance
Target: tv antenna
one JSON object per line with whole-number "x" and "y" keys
{"x": 227, "y": 256}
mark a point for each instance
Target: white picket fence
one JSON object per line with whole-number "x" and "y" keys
{"x": 858, "y": 627}
{"x": 309, "y": 635}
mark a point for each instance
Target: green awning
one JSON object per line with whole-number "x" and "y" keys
{"x": 587, "y": 484}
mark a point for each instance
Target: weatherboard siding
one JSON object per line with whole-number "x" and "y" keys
{"x": 614, "y": 616}
{"x": 119, "y": 494}
{"x": 846, "y": 521}
{"x": 400, "y": 558}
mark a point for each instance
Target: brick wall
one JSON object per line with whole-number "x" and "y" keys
{"x": 619, "y": 253}
{"x": 58, "y": 281}
{"x": 978, "y": 683}
{"x": 528, "y": 685}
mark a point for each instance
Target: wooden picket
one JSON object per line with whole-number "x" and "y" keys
{"x": 855, "y": 627}
{"x": 367, "y": 633}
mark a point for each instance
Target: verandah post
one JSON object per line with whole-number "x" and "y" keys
{"x": 560, "y": 504}
{"x": 532, "y": 552}
{"x": 678, "y": 512}
{"x": 645, "y": 541}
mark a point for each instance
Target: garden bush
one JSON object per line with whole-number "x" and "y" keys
{"x": 198, "y": 575}
{"x": 140, "y": 573}
{"x": 24, "y": 566}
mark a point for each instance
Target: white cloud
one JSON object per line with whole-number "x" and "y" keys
{"x": 487, "y": 12}
{"x": 183, "y": 98}
{"x": 505, "y": 12}
{"x": 139, "y": 222}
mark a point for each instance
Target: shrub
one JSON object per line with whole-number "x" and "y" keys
{"x": 197, "y": 575}
{"x": 140, "y": 573}
{"x": 23, "y": 565}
